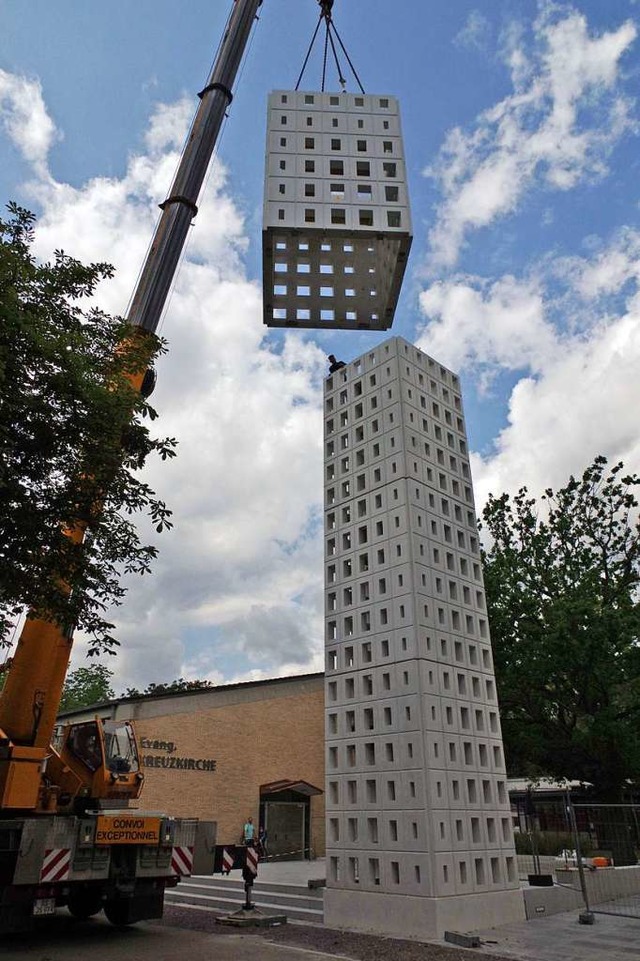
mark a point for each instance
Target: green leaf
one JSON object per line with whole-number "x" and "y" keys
{"x": 72, "y": 437}
{"x": 562, "y": 580}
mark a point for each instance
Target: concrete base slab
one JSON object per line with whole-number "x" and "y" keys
{"x": 541, "y": 902}
{"x": 604, "y": 884}
{"x": 462, "y": 940}
{"x": 252, "y": 918}
{"x": 419, "y": 918}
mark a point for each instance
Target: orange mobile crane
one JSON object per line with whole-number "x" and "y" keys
{"x": 67, "y": 834}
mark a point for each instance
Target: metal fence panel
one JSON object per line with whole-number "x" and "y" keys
{"x": 606, "y": 866}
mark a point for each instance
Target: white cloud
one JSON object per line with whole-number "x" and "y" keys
{"x": 243, "y": 565}
{"x": 475, "y": 34}
{"x": 290, "y": 624}
{"x": 568, "y": 329}
{"x": 480, "y": 325}
{"x": 577, "y": 392}
{"x": 584, "y": 404}
{"x": 169, "y": 125}
{"x": 565, "y": 115}
{"x": 26, "y": 120}
{"x": 610, "y": 270}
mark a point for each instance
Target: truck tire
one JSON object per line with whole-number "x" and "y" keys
{"x": 118, "y": 912}
{"x": 84, "y": 905}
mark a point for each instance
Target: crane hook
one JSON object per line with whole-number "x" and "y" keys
{"x": 326, "y": 7}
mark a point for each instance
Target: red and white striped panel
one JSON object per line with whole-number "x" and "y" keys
{"x": 227, "y": 860}
{"x": 56, "y": 865}
{"x": 182, "y": 861}
{"x": 252, "y": 860}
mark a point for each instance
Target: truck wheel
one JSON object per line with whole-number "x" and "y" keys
{"x": 83, "y": 906}
{"x": 118, "y": 912}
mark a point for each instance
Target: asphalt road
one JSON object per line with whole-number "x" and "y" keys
{"x": 63, "y": 939}
{"x": 193, "y": 935}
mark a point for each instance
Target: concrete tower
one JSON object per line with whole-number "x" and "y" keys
{"x": 337, "y": 225}
{"x": 419, "y": 836}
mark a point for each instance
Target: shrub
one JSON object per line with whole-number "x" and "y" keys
{"x": 551, "y": 843}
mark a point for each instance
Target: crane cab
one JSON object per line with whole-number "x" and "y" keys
{"x": 93, "y": 761}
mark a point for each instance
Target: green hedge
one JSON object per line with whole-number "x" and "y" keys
{"x": 551, "y": 843}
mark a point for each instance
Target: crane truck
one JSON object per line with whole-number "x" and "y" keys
{"x": 68, "y": 833}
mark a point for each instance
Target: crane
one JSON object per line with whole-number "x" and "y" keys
{"x": 65, "y": 835}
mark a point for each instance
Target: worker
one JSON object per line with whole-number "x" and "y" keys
{"x": 248, "y": 832}
{"x": 334, "y": 364}
{"x": 119, "y": 765}
{"x": 85, "y": 744}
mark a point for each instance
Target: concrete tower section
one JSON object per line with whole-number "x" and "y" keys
{"x": 337, "y": 223}
{"x": 419, "y": 836}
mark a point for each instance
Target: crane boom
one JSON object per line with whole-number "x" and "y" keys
{"x": 30, "y": 699}
{"x": 58, "y": 797}
{"x": 180, "y": 207}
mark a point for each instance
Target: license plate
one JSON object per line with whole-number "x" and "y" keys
{"x": 44, "y": 906}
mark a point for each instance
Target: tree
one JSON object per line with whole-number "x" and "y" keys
{"x": 71, "y": 439}
{"x": 562, "y": 593}
{"x": 87, "y": 686}
{"x": 170, "y": 687}
{"x": 91, "y": 685}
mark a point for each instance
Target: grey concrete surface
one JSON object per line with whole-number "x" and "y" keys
{"x": 555, "y": 938}
{"x": 562, "y": 938}
{"x": 552, "y": 938}
{"x": 62, "y": 939}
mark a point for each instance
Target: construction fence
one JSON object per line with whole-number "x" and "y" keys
{"x": 595, "y": 853}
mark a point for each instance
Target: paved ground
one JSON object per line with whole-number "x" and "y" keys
{"x": 556, "y": 938}
{"x": 562, "y": 938}
{"x": 62, "y": 939}
{"x": 194, "y": 935}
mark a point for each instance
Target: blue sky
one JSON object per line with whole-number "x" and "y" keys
{"x": 521, "y": 136}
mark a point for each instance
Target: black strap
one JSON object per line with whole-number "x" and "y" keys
{"x": 306, "y": 59}
{"x": 179, "y": 199}
{"x": 326, "y": 7}
{"x": 344, "y": 50}
{"x": 324, "y": 59}
{"x": 217, "y": 86}
{"x": 342, "y": 80}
